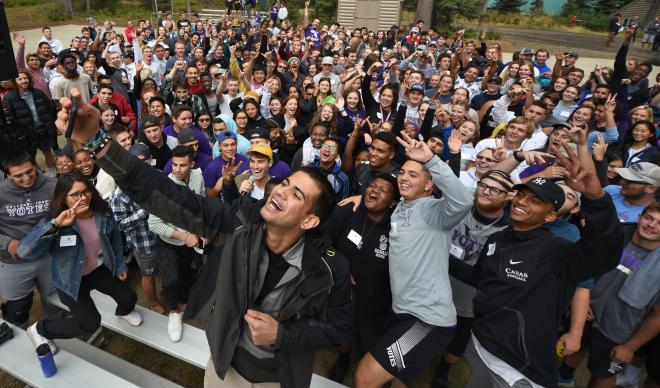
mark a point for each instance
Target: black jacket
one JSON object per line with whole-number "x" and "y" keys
{"x": 317, "y": 313}
{"x": 21, "y": 116}
{"x": 523, "y": 280}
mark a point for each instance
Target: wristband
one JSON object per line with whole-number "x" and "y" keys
{"x": 516, "y": 156}
{"x": 54, "y": 225}
{"x": 97, "y": 143}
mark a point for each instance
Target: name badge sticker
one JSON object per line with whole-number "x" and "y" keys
{"x": 456, "y": 251}
{"x": 491, "y": 249}
{"x": 354, "y": 237}
{"x": 68, "y": 241}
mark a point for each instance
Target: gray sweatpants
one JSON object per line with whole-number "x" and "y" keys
{"x": 18, "y": 280}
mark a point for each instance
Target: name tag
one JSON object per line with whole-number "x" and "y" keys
{"x": 491, "y": 249}
{"x": 624, "y": 269}
{"x": 354, "y": 237}
{"x": 153, "y": 162}
{"x": 456, "y": 251}
{"x": 68, "y": 241}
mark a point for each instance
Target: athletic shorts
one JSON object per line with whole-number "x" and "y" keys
{"x": 461, "y": 337}
{"x": 148, "y": 262}
{"x": 408, "y": 345}
{"x": 599, "y": 354}
{"x": 43, "y": 141}
{"x": 648, "y": 38}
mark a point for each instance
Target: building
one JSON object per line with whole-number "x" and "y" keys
{"x": 373, "y": 14}
{"x": 646, "y": 10}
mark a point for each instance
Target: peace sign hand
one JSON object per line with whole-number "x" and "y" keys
{"x": 610, "y": 103}
{"x": 415, "y": 150}
{"x": 229, "y": 171}
{"x": 579, "y": 178}
{"x": 67, "y": 217}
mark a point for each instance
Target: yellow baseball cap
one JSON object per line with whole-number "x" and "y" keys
{"x": 263, "y": 149}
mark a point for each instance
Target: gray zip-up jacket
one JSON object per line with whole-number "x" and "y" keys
{"x": 22, "y": 209}
{"x": 419, "y": 248}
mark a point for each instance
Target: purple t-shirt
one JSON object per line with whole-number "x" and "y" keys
{"x": 310, "y": 31}
{"x": 204, "y": 146}
{"x": 213, "y": 170}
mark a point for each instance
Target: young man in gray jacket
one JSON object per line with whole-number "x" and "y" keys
{"x": 424, "y": 316}
{"x": 24, "y": 200}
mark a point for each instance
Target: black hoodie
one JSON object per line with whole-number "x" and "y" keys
{"x": 523, "y": 280}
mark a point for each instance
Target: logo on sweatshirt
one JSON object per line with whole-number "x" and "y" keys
{"x": 517, "y": 275}
{"x": 27, "y": 208}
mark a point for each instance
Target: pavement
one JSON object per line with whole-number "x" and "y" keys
{"x": 590, "y": 46}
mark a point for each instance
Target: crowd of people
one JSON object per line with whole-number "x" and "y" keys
{"x": 404, "y": 195}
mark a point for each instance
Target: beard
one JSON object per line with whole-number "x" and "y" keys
{"x": 487, "y": 207}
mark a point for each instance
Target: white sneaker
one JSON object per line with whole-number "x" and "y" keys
{"x": 133, "y": 318}
{"x": 37, "y": 339}
{"x": 175, "y": 326}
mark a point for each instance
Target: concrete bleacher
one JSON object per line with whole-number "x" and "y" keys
{"x": 19, "y": 358}
{"x": 192, "y": 349}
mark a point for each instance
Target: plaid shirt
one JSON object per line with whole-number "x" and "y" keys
{"x": 132, "y": 221}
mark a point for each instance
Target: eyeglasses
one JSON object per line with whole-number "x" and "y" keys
{"x": 493, "y": 190}
{"x": 329, "y": 147}
{"x": 76, "y": 196}
{"x": 489, "y": 160}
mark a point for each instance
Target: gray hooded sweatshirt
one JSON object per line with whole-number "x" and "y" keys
{"x": 21, "y": 209}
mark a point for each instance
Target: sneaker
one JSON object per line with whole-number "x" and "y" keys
{"x": 566, "y": 382}
{"x": 175, "y": 326}
{"x": 37, "y": 339}
{"x": 629, "y": 378}
{"x": 133, "y": 318}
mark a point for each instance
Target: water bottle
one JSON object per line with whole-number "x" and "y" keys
{"x": 46, "y": 360}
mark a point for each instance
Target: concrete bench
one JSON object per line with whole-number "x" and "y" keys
{"x": 19, "y": 358}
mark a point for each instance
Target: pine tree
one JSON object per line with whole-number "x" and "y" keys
{"x": 509, "y": 6}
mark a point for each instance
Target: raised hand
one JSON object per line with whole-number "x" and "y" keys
{"x": 610, "y": 103}
{"x": 599, "y": 148}
{"x": 415, "y": 150}
{"x": 87, "y": 119}
{"x": 20, "y": 39}
{"x": 67, "y": 217}
{"x": 339, "y": 103}
{"x": 535, "y": 157}
{"x": 578, "y": 135}
{"x": 454, "y": 142}
{"x": 229, "y": 171}
{"x": 554, "y": 172}
{"x": 579, "y": 178}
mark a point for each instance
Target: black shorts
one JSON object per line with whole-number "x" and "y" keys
{"x": 43, "y": 141}
{"x": 408, "y": 345}
{"x": 370, "y": 327}
{"x": 599, "y": 354}
{"x": 653, "y": 359}
{"x": 461, "y": 337}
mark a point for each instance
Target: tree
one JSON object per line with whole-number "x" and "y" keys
{"x": 445, "y": 10}
{"x": 424, "y": 11}
{"x": 537, "y": 7}
{"x": 576, "y": 7}
{"x": 509, "y": 6}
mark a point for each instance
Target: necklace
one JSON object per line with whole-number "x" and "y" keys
{"x": 364, "y": 225}
{"x": 472, "y": 223}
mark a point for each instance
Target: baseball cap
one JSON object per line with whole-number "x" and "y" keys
{"x": 572, "y": 53}
{"x": 195, "y": 14}
{"x": 150, "y": 121}
{"x": 641, "y": 172}
{"x": 139, "y": 149}
{"x": 186, "y": 135}
{"x": 421, "y": 47}
{"x": 496, "y": 79}
{"x": 293, "y": 59}
{"x": 224, "y": 135}
{"x": 327, "y": 61}
{"x": 128, "y": 54}
{"x": 263, "y": 149}
{"x": 547, "y": 190}
{"x": 414, "y": 29}
{"x": 527, "y": 51}
{"x": 259, "y": 133}
{"x": 433, "y": 43}
{"x": 416, "y": 88}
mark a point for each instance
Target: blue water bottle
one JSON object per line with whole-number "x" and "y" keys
{"x": 46, "y": 360}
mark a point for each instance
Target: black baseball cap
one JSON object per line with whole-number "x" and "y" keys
{"x": 259, "y": 133}
{"x": 139, "y": 149}
{"x": 149, "y": 121}
{"x": 416, "y": 88}
{"x": 186, "y": 135}
{"x": 547, "y": 190}
{"x": 496, "y": 79}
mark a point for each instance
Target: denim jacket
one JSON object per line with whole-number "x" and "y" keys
{"x": 68, "y": 262}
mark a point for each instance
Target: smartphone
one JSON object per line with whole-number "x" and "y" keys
{"x": 72, "y": 117}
